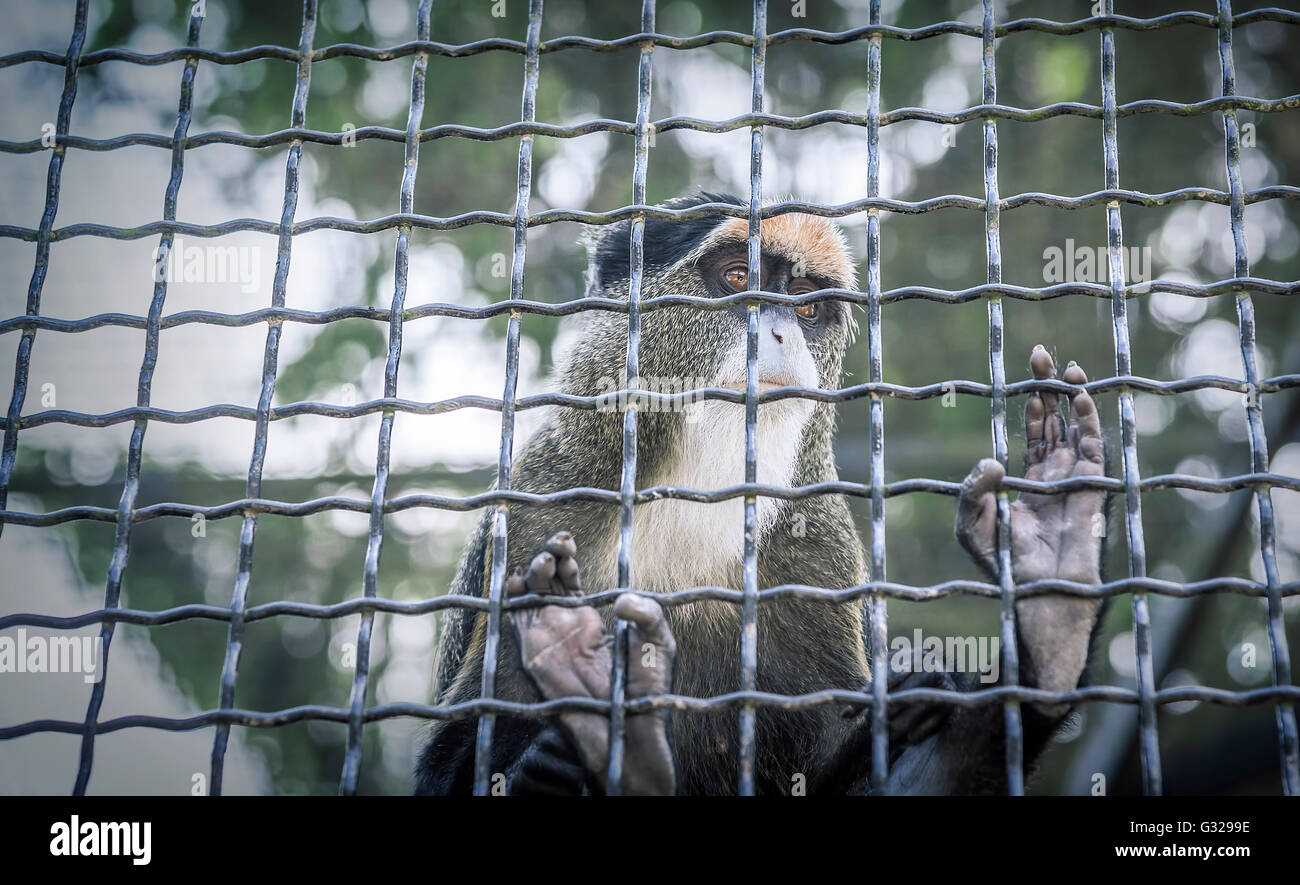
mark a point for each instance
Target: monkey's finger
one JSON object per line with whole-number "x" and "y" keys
{"x": 647, "y": 617}
{"x": 515, "y": 585}
{"x": 1036, "y": 448}
{"x": 560, "y": 545}
{"x": 650, "y": 646}
{"x": 565, "y": 550}
{"x": 567, "y": 576}
{"x": 1053, "y": 423}
{"x": 540, "y": 572}
{"x": 977, "y": 510}
{"x": 1085, "y": 423}
{"x": 522, "y": 619}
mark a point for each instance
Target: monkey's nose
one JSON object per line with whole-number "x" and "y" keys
{"x": 780, "y": 339}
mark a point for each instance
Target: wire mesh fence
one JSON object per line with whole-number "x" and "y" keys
{"x": 872, "y": 595}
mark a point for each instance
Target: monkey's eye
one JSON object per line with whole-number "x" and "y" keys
{"x": 736, "y": 277}
{"x": 802, "y": 286}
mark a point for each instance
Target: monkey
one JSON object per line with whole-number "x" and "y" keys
{"x": 804, "y": 646}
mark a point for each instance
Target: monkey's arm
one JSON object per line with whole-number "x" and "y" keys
{"x": 560, "y": 652}
{"x": 962, "y": 750}
{"x": 568, "y": 653}
{"x": 1052, "y": 536}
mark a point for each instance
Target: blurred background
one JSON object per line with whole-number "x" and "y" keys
{"x": 175, "y": 670}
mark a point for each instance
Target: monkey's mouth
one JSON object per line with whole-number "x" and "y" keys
{"x": 764, "y": 384}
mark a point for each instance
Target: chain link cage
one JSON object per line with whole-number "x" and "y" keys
{"x": 872, "y": 595}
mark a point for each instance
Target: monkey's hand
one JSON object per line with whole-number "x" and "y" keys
{"x": 568, "y": 653}
{"x": 1052, "y": 536}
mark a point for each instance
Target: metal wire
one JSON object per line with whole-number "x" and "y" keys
{"x": 1149, "y": 742}
{"x": 754, "y": 271}
{"x": 889, "y": 590}
{"x": 873, "y": 594}
{"x": 654, "y": 493}
{"x": 270, "y": 365}
{"x": 481, "y": 707}
{"x": 876, "y": 614}
{"x": 43, "y": 237}
{"x": 711, "y": 38}
{"x": 1289, "y": 746}
{"x": 632, "y": 372}
{"x": 135, "y": 450}
{"x": 1014, "y": 755}
{"x": 669, "y": 124}
{"x": 523, "y": 192}
{"x": 374, "y": 545}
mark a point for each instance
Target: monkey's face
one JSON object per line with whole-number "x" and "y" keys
{"x": 797, "y": 345}
{"x": 688, "y": 347}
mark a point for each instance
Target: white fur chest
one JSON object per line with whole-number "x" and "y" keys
{"x": 679, "y": 544}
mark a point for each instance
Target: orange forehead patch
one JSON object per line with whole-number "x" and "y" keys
{"x": 793, "y": 236}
